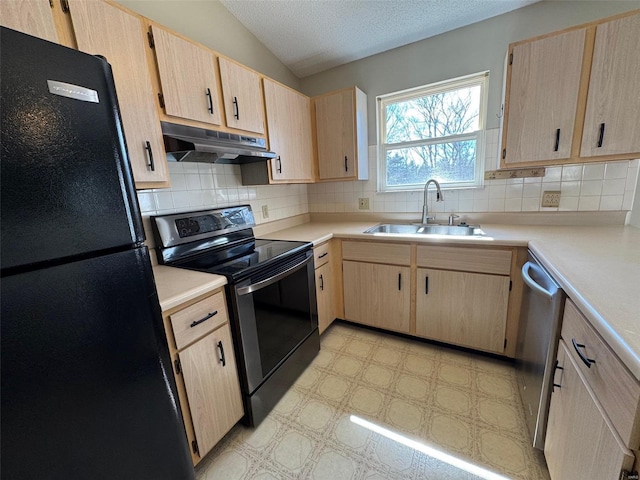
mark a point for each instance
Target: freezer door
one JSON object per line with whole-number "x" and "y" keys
{"x": 66, "y": 186}
{"x": 87, "y": 385}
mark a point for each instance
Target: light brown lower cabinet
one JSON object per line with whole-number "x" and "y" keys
{"x": 204, "y": 367}
{"x": 377, "y": 295}
{"x": 581, "y": 442}
{"x": 462, "y": 308}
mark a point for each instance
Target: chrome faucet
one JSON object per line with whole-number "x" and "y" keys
{"x": 439, "y": 198}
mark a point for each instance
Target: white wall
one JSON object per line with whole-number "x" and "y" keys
{"x": 209, "y": 23}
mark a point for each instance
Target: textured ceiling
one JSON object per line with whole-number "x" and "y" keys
{"x": 310, "y": 36}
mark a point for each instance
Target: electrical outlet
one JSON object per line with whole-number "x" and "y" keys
{"x": 265, "y": 211}
{"x": 363, "y": 203}
{"x": 551, "y": 199}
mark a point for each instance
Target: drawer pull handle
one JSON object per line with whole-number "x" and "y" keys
{"x": 583, "y": 357}
{"x": 323, "y": 255}
{"x": 198, "y": 322}
{"x": 221, "y": 348}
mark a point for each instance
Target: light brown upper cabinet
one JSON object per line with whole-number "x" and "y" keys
{"x": 612, "y": 119}
{"x": 290, "y": 134}
{"x": 243, "y": 105}
{"x": 106, "y": 30}
{"x": 34, "y": 17}
{"x": 572, "y": 96}
{"x": 188, "y": 77}
{"x": 542, "y": 111}
{"x": 341, "y": 129}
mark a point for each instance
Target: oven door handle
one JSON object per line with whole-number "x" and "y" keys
{"x": 271, "y": 280}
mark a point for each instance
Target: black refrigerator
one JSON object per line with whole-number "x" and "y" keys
{"x": 87, "y": 390}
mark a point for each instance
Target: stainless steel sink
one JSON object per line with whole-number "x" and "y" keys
{"x": 457, "y": 230}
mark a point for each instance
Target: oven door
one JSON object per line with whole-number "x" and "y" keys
{"x": 275, "y": 312}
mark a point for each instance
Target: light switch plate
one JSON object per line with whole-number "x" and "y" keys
{"x": 551, "y": 199}
{"x": 363, "y": 203}
{"x": 265, "y": 211}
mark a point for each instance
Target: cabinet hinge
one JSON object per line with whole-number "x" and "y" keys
{"x": 178, "y": 366}
{"x": 65, "y": 6}
{"x": 152, "y": 44}
{"x": 161, "y": 100}
{"x": 511, "y": 59}
{"x": 194, "y": 447}
{"x": 510, "y": 284}
{"x": 624, "y": 475}
{"x": 504, "y": 153}
{"x": 505, "y": 343}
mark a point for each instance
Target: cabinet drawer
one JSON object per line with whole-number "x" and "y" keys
{"x": 614, "y": 386}
{"x": 482, "y": 260}
{"x": 393, "y": 253}
{"x": 202, "y": 317}
{"x": 321, "y": 254}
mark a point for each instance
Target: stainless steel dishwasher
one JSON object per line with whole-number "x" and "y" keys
{"x": 540, "y": 319}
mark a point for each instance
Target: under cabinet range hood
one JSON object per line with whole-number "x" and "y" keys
{"x": 192, "y": 144}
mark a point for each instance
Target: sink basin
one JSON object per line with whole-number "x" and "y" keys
{"x": 457, "y": 230}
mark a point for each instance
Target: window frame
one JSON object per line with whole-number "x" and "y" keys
{"x": 476, "y": 79}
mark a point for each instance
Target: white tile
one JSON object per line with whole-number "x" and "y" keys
{"x": 515, "y": 181}
{"x": 514, "y": 191}
{"x": 530, "y": 190}
{"x": 481, "y": 205}
{"x": 593, "y": 171}
{"x": 164, "y": 200}
{"x": 181, "y": 199}
{"x": 465, "y": 194}
{"x": 175, "y": 167}
{"x": 614, "y": 187}
{"x": 591, "y": 188}
{"x": 616, "y": 170}
{"x": 190, "y": 167}
{"x": 209, "y": 198}
{"x": 611, "y": 202}
{"x": 178, "y": 181}
{"x": 551, "y": 186}
{"x": 570, "y": 189}
{"x": 465, "y": 205}
{"x": 552, "y": 174}
{"x": 513, "y": 205}
{"x": 496, "y": 204}
{"x": 568, "y": 203}
{"x": 571, "y": 173}
{"x": 206, "y": 182}
{"x": 147, "y": 201}
{"x": 590, "y": 204}
{"x": 533, "y": 180}
{"x": 627, "y": 200}
{"x": 481, "y": 193}
{"x": 497, "y": 191}
{"x": 632, "y": 179}
{"x": 530, "y": 204}
{"x": 193, "y": 181}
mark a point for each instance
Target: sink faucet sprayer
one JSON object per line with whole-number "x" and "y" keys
{"x": 439, "y": 198}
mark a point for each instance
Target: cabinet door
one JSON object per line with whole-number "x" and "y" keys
{"x": 542, "y": 98}
{"x": 613, "y": 104}
{"x": 289, "y": 125}
{"x": 189, "y": 78}
{"x": 213, "y": 390}
{"x": 468, "y": 309}
{"x": 243, "y": 104}
{"x": 580, "y": 442}
{"x": 33, "y": 17}
{"x": 335, "y": 125}
{"x": 377, "y": 295}
{"x": 118, "y": 36}
{"x": 325, "y": 296}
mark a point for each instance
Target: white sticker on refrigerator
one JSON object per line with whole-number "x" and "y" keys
{"x": 73, "y": 91}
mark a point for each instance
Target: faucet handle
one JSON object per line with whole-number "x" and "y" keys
{"x": 451, "y": 217}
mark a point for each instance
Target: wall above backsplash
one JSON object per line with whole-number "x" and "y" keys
{"x": 585, "y": 187}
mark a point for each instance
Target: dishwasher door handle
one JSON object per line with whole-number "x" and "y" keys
{"x": 532, "y": 284}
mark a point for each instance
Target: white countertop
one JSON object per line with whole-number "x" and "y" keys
{"x": 597, "y": 266}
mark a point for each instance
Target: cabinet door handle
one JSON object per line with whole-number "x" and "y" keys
{"x": 346, "y": 164}
{"x": 221, "y": 348}
{"x": 601, "y": 135}
{"x": 399, "y": 281}
{"x": 208, "y": 94}
{"x": 198, "y": 322}
{"x": 556, "y": 367}
{"x": 321, "y": 283}
{"x": 150, "y": 154}
{"x": 236, "y": 108}
{"x": 426, "y": 285}
{"x": 279, "y": 165}
{"x": 583, "y": 357}
{"x": 555, "y": 148}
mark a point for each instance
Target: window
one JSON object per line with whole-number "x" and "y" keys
{"x": 434, "y": 131}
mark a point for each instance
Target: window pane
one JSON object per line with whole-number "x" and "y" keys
{"x": 446, "y": 162}
{"x": 433, "y": 116}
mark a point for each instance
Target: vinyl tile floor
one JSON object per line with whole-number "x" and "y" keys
{"x": 376, "y": 406}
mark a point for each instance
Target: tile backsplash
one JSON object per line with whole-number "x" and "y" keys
{"x": 585, "y": 187}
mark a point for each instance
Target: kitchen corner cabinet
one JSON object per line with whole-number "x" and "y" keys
{"x": 327, "y": 284}
{"x": 377, "y": 284}
{"x": 290, "y": 135}
{"x": 594, "y": 417}
{"x": 106, "y": 30}
{"x": 242, "y": 96}
{"x": 188, "y": 78}
{"x": 34, "y": 17}
{"x": 571, "y": 96}
{"x": 205, "y": 370}
{"x": 341, "y": 132}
